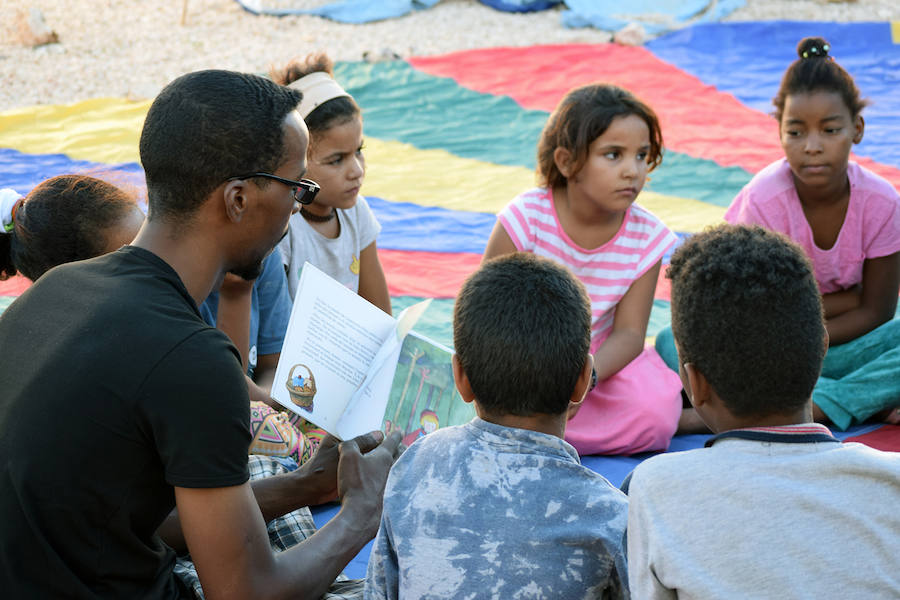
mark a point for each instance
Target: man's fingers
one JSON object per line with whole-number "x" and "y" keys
{"x": 392, "y": 442}
{"x": 349, "y": 447}
{"x": 368, "y": 441}
{"x": 328, "y": 441}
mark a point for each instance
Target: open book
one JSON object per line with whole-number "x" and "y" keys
{"x": 350, "y": 368}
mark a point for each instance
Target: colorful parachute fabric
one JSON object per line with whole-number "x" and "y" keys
{"x": 451, "y": 139}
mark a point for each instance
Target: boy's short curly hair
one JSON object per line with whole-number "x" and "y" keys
{"x": 521, "y": 327}
{"x": 747, "y": 313}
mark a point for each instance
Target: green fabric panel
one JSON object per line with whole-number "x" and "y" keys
{"x": 436, "y": 323}
{"x": 403, "y": 104}
{"x": 660, "y": 317}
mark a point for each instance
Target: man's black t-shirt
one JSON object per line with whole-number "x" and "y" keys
{"x": 112, "y": 391}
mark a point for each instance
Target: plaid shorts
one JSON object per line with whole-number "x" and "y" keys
{"x": 284, "y": 532}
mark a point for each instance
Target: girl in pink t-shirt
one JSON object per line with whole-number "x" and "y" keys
{"x": 847, "y": 219}
{"x": 593, "y": 158}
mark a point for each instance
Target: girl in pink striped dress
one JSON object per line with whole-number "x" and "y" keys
{"x": 593, "y": 158}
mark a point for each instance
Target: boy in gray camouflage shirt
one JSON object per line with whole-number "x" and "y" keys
{"x": 501, "y": 507}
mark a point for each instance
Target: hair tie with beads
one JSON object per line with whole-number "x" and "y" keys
{"x": 10, "y": 201}
{"x": 816, "y": 52}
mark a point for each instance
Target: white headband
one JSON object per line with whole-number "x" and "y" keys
{"x": 8, "y": 199}
{"x": 317, "y": 89}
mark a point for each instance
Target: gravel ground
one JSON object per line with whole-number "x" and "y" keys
{"x": 134, "y": 47}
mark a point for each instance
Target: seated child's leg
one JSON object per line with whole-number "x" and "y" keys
{"x": 665, "y": 347}
{"x": 843, "y": 359}
{"x": 635, "y": 410}
{"x": 857, "y": 396}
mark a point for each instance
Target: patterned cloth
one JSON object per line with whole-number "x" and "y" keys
{"x": 481, "y": 510}
{"x": 284, "y": 532}
{"x": 275, "y": 435}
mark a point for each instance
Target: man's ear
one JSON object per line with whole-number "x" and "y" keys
{"x": 562, "y": 158}
{"x": 235, "y": 198}
{"x": 462, "y": 381}
{"x": 860, "y": 124}
{"x": 699, "y": 391}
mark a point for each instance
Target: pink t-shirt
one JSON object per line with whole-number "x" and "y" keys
{"x": 871, "y": 227}
{"x": 608, "y": 271}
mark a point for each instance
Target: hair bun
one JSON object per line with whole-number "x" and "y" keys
{"x": 813, "y": 47}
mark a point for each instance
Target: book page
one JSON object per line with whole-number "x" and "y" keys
{"x": 423, "y": 394}
{"x": 366, "y": 408}
{"x": 331, "y": 339}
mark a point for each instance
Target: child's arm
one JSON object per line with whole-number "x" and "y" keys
{"x": 499, "y": 243}
{"x": 233, "y": 314}
{"x": 264, "y": 375}
{"x": 372, "y": 283}
{"x": 233, "y": 319}
{"x": 626, "y": 341}
{"x": 877, "y": 304}
{"x": 837, "y": 303}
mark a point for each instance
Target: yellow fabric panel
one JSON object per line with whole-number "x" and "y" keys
{"x": 895, "y": 31}
{"x": 103, "y": 130}
{"x": 682, "y": 214}
{"x": 403, "y": 173}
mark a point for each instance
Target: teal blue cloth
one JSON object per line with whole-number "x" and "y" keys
{"x": 859, "y": 378}
{"x": 656, "y": 16}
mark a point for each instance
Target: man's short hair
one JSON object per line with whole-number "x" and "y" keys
{"x": 521, "y": 327}
{"x": 205, "y": 127}
{"x": 747, "y": 313}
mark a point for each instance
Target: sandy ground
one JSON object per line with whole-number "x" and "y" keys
{"x": 134, "y": 47}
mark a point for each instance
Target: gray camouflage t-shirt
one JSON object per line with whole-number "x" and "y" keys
{"x": 486, "y": 511}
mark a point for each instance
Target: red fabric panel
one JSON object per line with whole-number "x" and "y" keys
{"x": 886, "y": 437}
{"x": 426, "y": 274}
{"x": 440, "y": 274}
{"x": 696, "y": 118}
{"x": 663, "y": 286}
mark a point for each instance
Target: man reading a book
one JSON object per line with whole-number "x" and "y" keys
{"x": 119, "y": 403}
{"x": 501, "y": 506}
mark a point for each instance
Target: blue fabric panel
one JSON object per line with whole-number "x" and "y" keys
{"x": 22, "y": 172}
{"x": 759, "y": 52}
{"x": 407, "y": 226}
{"x": 656, "y": 16}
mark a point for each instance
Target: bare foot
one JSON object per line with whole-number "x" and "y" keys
{"x": 891, "y": 416}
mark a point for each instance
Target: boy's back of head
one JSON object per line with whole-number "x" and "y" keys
{"x": 747, "y": 314}
{"x": 521, "y": 330}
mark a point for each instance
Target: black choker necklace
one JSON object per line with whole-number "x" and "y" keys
{"x": 313, "y": 218}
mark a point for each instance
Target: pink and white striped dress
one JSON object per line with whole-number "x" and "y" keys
{"x": 636, "y": 409}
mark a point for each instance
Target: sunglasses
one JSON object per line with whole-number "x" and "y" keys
{"x": 304, "y": 191}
